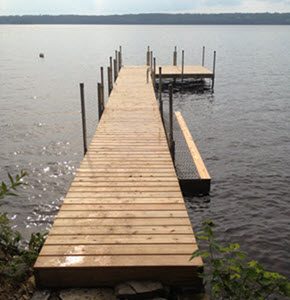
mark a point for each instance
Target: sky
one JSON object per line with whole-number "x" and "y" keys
{"x": 105, "y": 7}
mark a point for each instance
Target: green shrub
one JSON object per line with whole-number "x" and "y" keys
{"x": 10, "y": 239}
{"x": 231, "y": 277}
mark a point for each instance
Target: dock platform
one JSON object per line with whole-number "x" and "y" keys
{"x": 124, "y": 217}
{"x": 191, "y": 72}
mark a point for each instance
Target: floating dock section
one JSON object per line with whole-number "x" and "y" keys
{"x": 124, "y": 217}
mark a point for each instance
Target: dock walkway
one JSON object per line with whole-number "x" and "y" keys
{"x": 124, "y": 216}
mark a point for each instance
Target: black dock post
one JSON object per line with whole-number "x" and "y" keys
{"x": 160, "y": 93}
{"x": 83, "y": 117}
{"x": 170, "y": 137}
{"x": 182, "y": 69}
{"x": 213, "y": 71}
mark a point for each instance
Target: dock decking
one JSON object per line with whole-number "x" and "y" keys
{"x": 124, "y": 216}
{"x": 188, "y": 72}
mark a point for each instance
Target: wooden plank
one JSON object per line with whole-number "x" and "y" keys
{"x": 127, "y": 183}
{"x": 99, "y": 189}
{"x": 201, "y": 169}
{"x": 127, "y": 194}
{"x": 111, "y": 200}
{"x": 115, "y": 207}
{"x": 89, "y": 250}
{"x": 123, "y": 222}
{"x": 126, "y": 230}
{"x": 126, "y": 179}
{"x": 124, "y": 165}
{"x": 168, "y": 171}
{"x": 129, "y": 175}
{"x": 119, "y": 239}
{"x": 121, "y": 214}
{"x": 116, "y": 261}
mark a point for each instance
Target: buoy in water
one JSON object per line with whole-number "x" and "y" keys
{"x": 41, "y": 55}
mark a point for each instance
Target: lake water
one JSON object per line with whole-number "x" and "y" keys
{"x": 242, "y": 130}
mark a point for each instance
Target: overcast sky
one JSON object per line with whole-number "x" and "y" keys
{"x": 96, "y": 7}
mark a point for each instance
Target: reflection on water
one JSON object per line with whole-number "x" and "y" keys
{"x": 242, "y": 130}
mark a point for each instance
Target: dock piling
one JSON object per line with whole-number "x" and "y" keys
{"x": 119, "y": 61}
{"x": 154, "y": 72}
{"x": 175, "y": 56}
{"x": 116, "y": 56}
{"x": 111, "y": 62}
{"x": 109, "y": 80}
{"x": 102, "y": 82}
{"x": 213, "y": 71}
{"x": 160, "y": 93}
{"x": 115, "y": 70}
{"x": 170, "y": 135}
{"x": 83, "y": 117}
{"x": 203, "y": 55}
{"x": 120, "y": 57}
{"x": 148, "y": 56}
{"x": 100, "y": 100}
{"x": 182, "y": 69}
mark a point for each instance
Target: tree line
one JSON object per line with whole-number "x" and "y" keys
{"x": 158, "y": 19}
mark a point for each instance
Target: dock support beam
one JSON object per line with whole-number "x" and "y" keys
{"x": 160, "y": 93}
{"x": 213, "y": 71}
{"x": 83, "y": 117}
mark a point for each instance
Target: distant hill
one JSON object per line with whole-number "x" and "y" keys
{"x": 160, "y": 19}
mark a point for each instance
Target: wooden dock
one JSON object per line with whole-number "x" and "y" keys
{"x": 124, "y": 216}
{"x": 188, "y": 72}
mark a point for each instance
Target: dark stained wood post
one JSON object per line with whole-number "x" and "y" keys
{"x": 213, "y": 71}
{"x": 160, "y": 93}
{"x": 109, "y": 80}
{"x": 116, "y": 56}
{"x": 120, "y": 57}
{"x": 182, "y": 68}
{"x": 154, "y": 72}
{"x": 111, "y": 63}
{"x": 83, "y": 117}
{"x": 115, "y": 70}
{"x": 102, "y": 99}
{"x": 102, "y": 82}
{"x": 119, "y": 60}
{"x": 175, "y": 56}
{"x": 170, "y": 137}
{"x": 151, "y": 60}
{"x": 99, "y": 101}
{"x": 203, "y": 54}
